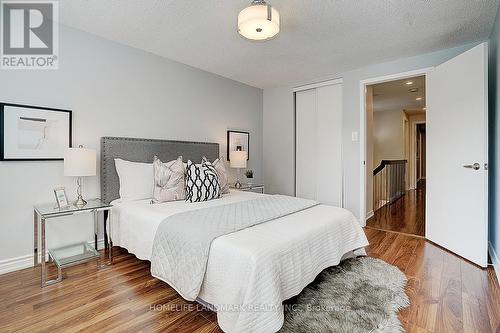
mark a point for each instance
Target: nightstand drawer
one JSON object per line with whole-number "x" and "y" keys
{"x": 256, "y": 188}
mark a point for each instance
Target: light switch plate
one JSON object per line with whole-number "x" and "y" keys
{"x": 354, "y": 136}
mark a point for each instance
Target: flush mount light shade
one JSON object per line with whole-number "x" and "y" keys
{"x": 259, "y": 21}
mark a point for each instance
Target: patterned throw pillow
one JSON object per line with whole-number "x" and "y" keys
{"x": 202, "y": 182}
{"x": 168, "y": 180}
{"x": 220, "y": 167}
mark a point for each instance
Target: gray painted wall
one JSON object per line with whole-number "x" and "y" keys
{"x": 279, "y": 149}
{"x": 494, "y": 136}
{"x": 278, "y": 124}
{"x": 114, "y": 90}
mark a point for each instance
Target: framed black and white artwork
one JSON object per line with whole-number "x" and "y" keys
{"x": 31, "y": 133}
{"x": 237, "y": 140}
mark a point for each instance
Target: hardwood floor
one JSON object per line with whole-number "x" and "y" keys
{"x": 447, "y": 294}
{"x": 406, "y": 215}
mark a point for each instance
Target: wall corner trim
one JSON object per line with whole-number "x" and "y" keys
{"x": 495, "y": 260}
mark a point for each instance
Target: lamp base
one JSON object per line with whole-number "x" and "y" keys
{"x": 80, "y": 202}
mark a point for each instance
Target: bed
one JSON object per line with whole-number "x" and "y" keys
{"x": 250, "y": 272}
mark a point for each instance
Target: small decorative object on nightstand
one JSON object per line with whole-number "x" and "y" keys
{"x": 61, "y": 197}
{"x": 68, "y": 255}
{"x": 249, "y": 175}
{"x": 79, "y": 162}
{"x": 257, "y": 188}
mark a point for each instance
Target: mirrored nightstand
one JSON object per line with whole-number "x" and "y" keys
{"x": 257, "y": 188}
{"x": 68, "y": 255}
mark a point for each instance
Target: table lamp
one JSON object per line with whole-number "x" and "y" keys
{"x": 79, "y": 162}
{"x": 238, "y": 160}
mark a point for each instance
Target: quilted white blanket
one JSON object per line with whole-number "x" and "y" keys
{"x": 182, "y": 241}
{"x": 252, "y": 271}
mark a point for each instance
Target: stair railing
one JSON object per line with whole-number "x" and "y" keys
{"x": 389, "y": 182}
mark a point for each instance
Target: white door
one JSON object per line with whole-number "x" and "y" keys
{"x": 457, "y": 151}
{"x": 319, "y": 144}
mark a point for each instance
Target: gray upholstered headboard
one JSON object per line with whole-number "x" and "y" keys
{"x": 144, "y": 150}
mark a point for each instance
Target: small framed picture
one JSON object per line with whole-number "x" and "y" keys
{"x": 61, "y": 197}
{"x": 238, "y": 140}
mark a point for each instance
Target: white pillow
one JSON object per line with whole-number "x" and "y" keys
{"x": 136, "y": 179}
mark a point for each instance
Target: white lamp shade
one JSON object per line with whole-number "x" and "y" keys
{"x": 253, "y": 22}
{"x": 79, "y": 162}
{"x": 238, "y": 159}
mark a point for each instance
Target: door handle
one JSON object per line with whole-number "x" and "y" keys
{"x": 475, "y": 166}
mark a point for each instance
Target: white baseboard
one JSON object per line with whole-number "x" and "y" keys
{"x": 369, "y": 214}
{"x": 15, "y": 264}
{"x": 495, "y": 260}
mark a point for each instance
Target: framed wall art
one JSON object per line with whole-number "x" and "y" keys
{"x": 237, "y": 140}
{"x": 31, "y": 133}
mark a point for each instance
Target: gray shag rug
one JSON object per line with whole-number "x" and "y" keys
{"x": 359, "y": 295}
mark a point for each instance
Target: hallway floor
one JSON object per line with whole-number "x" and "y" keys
{"x": 406, "y": 215}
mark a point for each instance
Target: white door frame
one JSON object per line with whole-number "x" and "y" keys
{"x": 362, "y": 127}
{"x": 414, "y": 155}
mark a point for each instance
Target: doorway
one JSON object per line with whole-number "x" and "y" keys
{"x": 456, "y": 155}
{"x": 396, "y": 146}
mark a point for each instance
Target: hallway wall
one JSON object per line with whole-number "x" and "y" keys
{"x": 388, "y": 136}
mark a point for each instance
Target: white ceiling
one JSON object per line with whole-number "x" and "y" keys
{"x": 318, "y": 37}
{"x": 396, "y": 95}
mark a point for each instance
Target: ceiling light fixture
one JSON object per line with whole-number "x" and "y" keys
{"x": 409, "y": 83}
{"x": 259, "y": 21}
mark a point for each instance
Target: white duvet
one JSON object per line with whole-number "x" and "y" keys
{"x": 250, "y": 272}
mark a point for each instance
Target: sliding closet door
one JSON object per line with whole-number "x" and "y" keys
{"x": 329, "y": 145}
{"x": 319, "y": 144}
{"x": 305, "y": 119}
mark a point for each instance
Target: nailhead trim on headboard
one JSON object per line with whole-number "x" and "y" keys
{"x": 128, "y": 149}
